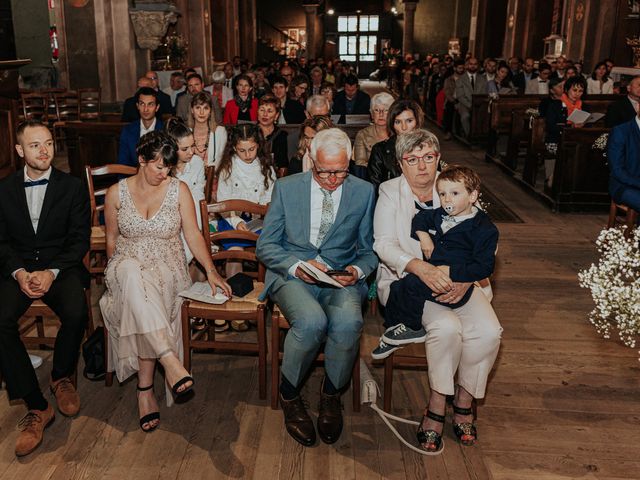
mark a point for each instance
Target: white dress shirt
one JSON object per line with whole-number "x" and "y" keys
{"x": 217, "y": 143}
{"x": 315, "y": 218}
{"x": 35, "y": 199}
{"x": 151, "y": 128}
{"x": 173, "y": 94}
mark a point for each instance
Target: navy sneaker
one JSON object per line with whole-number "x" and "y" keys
{"x": 383, "y": 350}
{"x": 402, "y": 335}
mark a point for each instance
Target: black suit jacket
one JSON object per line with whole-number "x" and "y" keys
{"x": 361, "y": 107}
{"x": 619, "y": 112}
{"x": 130, "y": 111}
{"x": 64, "y": 228}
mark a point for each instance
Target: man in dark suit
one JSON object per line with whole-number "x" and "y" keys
{"x": 146, "y": 103}
{"x": 623, "y": 152}
{"x": 625, "y": 109}
{"x": 44, "y": 235}
{"x": 323, "y": 217}
{"x": 351, "y": 100}
{"x": 469, "y": 83}
{"x": 130, "y": 111}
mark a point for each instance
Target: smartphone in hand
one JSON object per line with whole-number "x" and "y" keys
{"x": 338, "y": 273}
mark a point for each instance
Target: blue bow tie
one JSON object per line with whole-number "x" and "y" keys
{"x": 449, "y": 218}
{"x": 35, "y": 183}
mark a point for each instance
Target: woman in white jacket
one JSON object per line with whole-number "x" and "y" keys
{"x": 463, "y": 343}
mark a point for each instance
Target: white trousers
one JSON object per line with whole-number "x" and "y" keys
{"x": 463, "y": 340}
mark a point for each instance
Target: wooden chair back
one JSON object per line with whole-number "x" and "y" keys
{"x": 214, "y": 238}
{"x": 210, "y": 177}
{"x": 90, "y": 104}
{"x": 35, "y": 106}
{"x": 67, "y": 106}
{"x": 110, "y": 170}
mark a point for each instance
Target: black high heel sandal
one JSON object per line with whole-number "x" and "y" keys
{"x": 149, "y": 417}
{"x": 181, "y": 382}
{"x": 426, "y": 438}
{"x": 466, "y": 432}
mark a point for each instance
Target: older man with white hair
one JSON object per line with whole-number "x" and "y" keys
{"x": 322, "y": 217}
{"x": 317, "y": 105}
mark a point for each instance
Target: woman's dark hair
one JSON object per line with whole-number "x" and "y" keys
{"x": 298, "y": 80}
{"x": 177, "y": 129}
{"x": 269, "y": 99}
{"x": 605, "y": 77}
{"x": 316, "y": 123}
{"x": 400, "y": 106}
{"x": 158, "y": 145}
{"x": 242, "y": 133}
{"x": 242, "y": 76}
{"x": 578, "y": 80}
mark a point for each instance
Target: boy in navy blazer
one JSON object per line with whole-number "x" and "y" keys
{"x": 457, "y": 237}
{"x": 147, "y": 105}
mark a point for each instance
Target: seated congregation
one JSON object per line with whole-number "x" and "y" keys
{"x": 363, "y": 204}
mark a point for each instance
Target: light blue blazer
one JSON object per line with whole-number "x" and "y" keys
{"x": 285, "y": 236}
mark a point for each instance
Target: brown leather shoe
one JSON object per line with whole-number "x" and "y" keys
{"x": 67, "y": 397}
{"x": 329, "y": 418}
{"x": 298, "y": 422}
{"x": 32, "y": 428}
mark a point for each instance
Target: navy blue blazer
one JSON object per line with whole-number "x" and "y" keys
{"x": 130, "y": 110}
{"x": 285, "y": 236}
{"x": 623, "y": 152}
{"x": 469, "y": 249}
{"x": 361, "y": 106}
{"x": 129, "y": 138}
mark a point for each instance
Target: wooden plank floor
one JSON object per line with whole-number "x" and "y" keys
{"x": 562, "y": 403}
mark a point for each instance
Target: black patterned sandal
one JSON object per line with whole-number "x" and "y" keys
{"x": 466, "y": 432}
{"x": 430, "y": 440}
{"x": 149, "y": 417}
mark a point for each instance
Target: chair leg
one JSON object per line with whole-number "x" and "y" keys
{"x": 388, "y": 382}
{"x": 186, "y": 336}
{"x": 631, "y": 220}
{"x": 613, "y": 211}
{"x": 356, "y": 384}
{"x": 275, "y": 361}
{"x": 262, "y": 354}
{"x": 108, "y": 378}
{"x": 40, "y": 330}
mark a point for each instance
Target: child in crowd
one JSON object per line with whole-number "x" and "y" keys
{"x": 245, "y": 173}
{"x": 457, "y": 238}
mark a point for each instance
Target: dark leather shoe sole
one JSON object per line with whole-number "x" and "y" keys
{"x": 329, "y": 438}
{"x": 305, "y": 441}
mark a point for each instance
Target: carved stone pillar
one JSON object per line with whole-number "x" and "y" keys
{"x": 311, "y": 12}
{"x": 409, "y": 19}
{"x": 151, "y": 25}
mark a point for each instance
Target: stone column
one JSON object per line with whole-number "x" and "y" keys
{"x": 409, "y": 19}
{"x": 311, "y": 12}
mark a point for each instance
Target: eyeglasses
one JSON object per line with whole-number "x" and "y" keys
{"x": 427, "y": 159}
{"x": 336, "y": 173}
{"x": 380, "y": 111}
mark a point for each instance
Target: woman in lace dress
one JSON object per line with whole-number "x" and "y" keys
{"x": 147, "y": 268}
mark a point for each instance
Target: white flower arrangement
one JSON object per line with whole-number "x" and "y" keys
{"x": 615, "y": 285}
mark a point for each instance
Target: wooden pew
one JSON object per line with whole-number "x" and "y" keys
{"x": 92, "y": 143}
{"x": 97, "y": 143}
{"x": 581, "y": 174}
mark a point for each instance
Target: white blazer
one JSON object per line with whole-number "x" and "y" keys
{"x": 392, "y": 232}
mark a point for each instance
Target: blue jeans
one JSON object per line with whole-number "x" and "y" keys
{"x": 320, "y": 315}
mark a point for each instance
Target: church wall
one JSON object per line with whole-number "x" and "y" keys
{"x": 82, "y": 48}
{"x": 31, "y": 32}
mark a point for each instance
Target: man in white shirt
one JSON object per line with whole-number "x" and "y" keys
{"x": 540, "y": 84}
{"x": 324, "y": 218}
{"x": 44, "y": 235}
{"x": 176, "y": 85}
